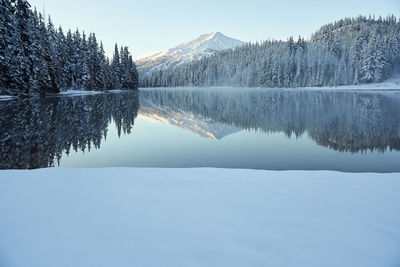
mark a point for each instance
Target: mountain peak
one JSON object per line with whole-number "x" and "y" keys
{"x": 212, "y": 41}
{"x": 205, "y": 45}
{"x": 214, "y": 34}
{"x": 218, "y": 34}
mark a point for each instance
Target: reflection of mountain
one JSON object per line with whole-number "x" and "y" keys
{"x": 204, "y": 127}
{"x": 35, "y": 132}
{"x": 343, "y": 121}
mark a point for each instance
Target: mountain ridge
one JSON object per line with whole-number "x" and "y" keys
{"x": 203, "y": 46}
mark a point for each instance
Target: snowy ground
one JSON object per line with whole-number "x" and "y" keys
{"x": 198, "y": 217}
{"x": 117, "y": 91}
{"x": 390, "y": 84}
{"x": 77, "y": 92}
{"x": 69, "y": 93}
{"x": 6, "y": 97}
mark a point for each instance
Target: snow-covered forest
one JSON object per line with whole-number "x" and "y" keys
{"x": 37, "y": 58}
{"x": 350, "y": 51}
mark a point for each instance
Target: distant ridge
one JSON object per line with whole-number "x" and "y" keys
{"x": 204, "y": 45}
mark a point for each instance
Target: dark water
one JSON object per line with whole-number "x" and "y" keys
{"x": 230, "y": 128}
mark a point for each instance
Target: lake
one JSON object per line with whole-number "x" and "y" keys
{"x": 353, "y": 131}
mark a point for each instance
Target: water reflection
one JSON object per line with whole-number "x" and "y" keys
{"x": 343, "y": 121}
{"x": 36, "y": 132}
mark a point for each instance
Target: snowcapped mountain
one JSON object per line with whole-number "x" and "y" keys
{"x": 205, "y": 45}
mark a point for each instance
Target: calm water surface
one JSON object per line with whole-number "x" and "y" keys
{"x": 355, "y": 131}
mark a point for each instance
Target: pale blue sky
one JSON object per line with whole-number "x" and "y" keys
{"x": 148, "y": 26}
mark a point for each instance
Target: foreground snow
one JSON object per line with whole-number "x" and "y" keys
{"x": 6, "y": 97}
{"x": 198, "y": 217}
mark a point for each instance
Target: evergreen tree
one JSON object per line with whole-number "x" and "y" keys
{"x": 37, "y": 59}
{"x": 23, "y": 44}
{"x": 103, "y": 72}
{"x": 9, "y": 77}
{"x": 116, "y": 69}
{"x": 39, "y": 76}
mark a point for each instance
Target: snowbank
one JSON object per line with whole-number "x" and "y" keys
{"x": 390, "y": 84}
{"x": 117, "y": 91}
{"x": 77, "y": 92}
{"x": 6, "y": 97}
{"x": 198, "y": 217}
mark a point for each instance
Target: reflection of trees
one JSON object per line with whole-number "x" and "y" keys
{"x": 343, "y": 121}
{"x": 34, "y": 132}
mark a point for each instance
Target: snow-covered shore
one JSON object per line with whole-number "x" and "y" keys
{"x": 392, "y": 83}
{"x": 6, "y": 97}
{"x": 79, "y": 92}
{"x": 198, "y": 217}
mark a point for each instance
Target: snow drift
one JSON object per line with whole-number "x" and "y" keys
{"x": 198, "y": 217}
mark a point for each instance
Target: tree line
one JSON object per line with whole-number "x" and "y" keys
{"x": 37, "y": 58}
{"x": 350, "y": 51}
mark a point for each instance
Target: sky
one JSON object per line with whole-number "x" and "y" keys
{"x": 149, "y": 26}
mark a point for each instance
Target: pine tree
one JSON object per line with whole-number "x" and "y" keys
{"x": 116, "y": 69}
{"x": 83, "y": 71}
{"x": 51, "y": 42}
{"x": 68, "y": 59}
{"x": 23, "y": 44}
{"x": 103, "y": 73}
{"x": 381, "y": 63}
{"x": 37, "y": 59}
{"x": 39, "y": 75}
{"x": 133, "y": 73}
{"x": 368, "y": 63}
{"x": 9, "y": 78}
